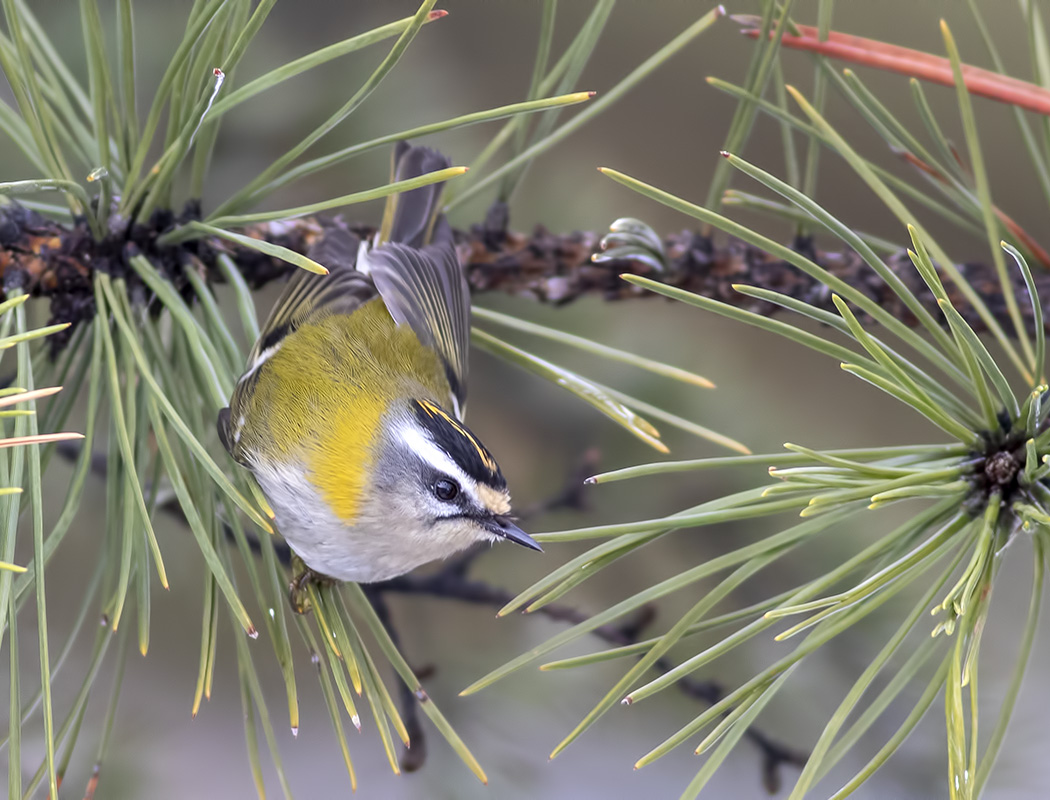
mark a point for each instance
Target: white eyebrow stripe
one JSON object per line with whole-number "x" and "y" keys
{"x": 426, "y": 449}
{"x": 262, "y": 358}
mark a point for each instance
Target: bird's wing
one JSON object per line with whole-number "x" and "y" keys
{"x": 416, "y": 270}
{"x": 422, "y": 286}
{"x": 410, "y": 217}
{"x": 310, "y": 297}
{"x": 427, "y": 290}
{"x": 306, "y": 298}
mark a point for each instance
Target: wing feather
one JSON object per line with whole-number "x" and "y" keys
{"x": 310, "y": 297}
{"x": 427, "y": 290}
{"x": 410, "y": 217}
{"x": 306, "y": 298}
{"x": 422, "y": 285}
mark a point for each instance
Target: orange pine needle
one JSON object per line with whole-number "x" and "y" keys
{"x": 915, "y": 63}
{"x": 1023, "y": 236}
{"x": 43, "y": 438}
{"x": 1018, "y": 232}
{"x": 21, "y": 397}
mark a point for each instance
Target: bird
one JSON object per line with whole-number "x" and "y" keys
{"x": 349, "y": 413}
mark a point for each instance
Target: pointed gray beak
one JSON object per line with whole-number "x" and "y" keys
{"x": 504, "y": 528}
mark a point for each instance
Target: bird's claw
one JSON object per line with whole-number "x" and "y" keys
{"x": 299, "y": 586}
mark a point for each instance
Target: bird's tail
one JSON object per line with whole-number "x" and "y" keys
{"x": 412, "y": 217}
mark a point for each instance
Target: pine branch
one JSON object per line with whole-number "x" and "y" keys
{"x": 57, "y": 261}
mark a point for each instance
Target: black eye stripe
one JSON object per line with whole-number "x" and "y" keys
{"x": 459, "y": 444}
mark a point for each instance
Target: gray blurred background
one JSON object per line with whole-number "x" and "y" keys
{"x": 667, "y": 132}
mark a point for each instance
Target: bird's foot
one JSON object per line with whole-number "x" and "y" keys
{"x": 299, "y": 587}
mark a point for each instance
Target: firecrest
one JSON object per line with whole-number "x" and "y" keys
{"x": 349, "y": 413}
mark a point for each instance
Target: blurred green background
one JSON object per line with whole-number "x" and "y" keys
{"x": 667, "y": 132}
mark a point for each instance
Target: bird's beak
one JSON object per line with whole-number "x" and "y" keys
{"x": 505, "y": 529}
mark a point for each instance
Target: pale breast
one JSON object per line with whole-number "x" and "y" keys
{"x": 322, "y": 406}
{"x": 381, "y": 545}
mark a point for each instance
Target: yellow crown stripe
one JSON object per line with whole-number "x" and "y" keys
{"x": 434, "y": 410}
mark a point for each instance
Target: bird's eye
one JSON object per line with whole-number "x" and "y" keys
{"x": 445, "y": 489}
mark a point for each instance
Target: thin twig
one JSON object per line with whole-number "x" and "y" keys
{"x": 412, "y": 758}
